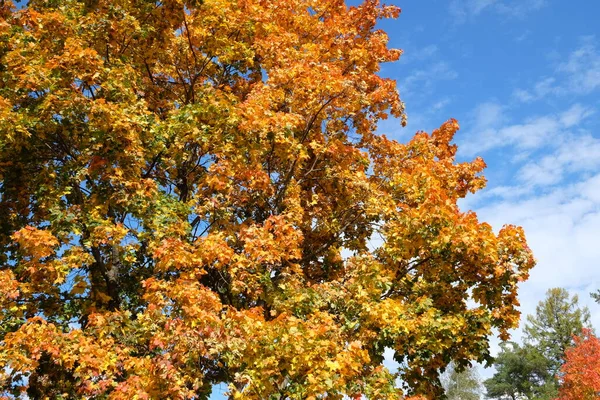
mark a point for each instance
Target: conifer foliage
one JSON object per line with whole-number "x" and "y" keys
{"x": 187, "y": 193}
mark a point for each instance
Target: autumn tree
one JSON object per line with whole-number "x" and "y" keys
{"x": 580, "y": 373}
{"x": 187, "y": 193}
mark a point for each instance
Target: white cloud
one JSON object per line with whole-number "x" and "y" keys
{"x": 579, "y": 74}
{"x": 420, "y": 54}
{"x": 575, "y": 154}
{"x": 520, "y": 8}
{"x": 422, "y": 80}
{"x": 416, "y": 89}
{"x": 574, "y": 115}
{"x": 562, "y": 228}
{"x": 506, "y": 192}
{"x": 541, "y": 89}
{"x": 489, "y": 130}
{"x": 523, "y": 36}
{"x": 556, "y": 198}
{"x": 462, "y": 10}
{"x": 524, "y": 136}
{"x": 565, "y": 152}
{"x": 583, "y": 68}
{"x": 488, "y": 114}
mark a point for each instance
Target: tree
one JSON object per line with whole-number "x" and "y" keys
{"x": 531, "y": 370}
{"x": 521, "y": 372}
{"x": 580, "y": 373}
{"x": 558, "y": 319}
{"x": 188, "y": 189}
{"x": 461, "y": 385}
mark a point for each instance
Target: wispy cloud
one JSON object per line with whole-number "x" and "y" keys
{"x": 541, "y": 89}
{"x": 575, "y": 115}
{"x": 579, "y": 74}
{"x": 554, "y": 196}
{"x": 463, "y": 10}
{"x": 417, "y": 89}
{"x": 520, "y": 8}
{"x": 583, "y": 67}
{"x": 490, "y": 130}
{"x": 523, "y": 36}
{"x": 423, "y": 80}
{"x": 421, "y": 54}
{"x": 576, "y": 154}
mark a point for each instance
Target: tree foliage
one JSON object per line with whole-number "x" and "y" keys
{"x": 521, "y": 372}
{"x": 187, "y": 192}
{"x": 531, "y": 370}
{"x": 558, "y": 319}
{"x": 580, "y": 373}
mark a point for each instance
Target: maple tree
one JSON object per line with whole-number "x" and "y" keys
{"x": 188, "y": 190}
{"x": 580, "y": 374}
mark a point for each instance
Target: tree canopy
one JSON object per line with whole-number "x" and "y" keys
{"x": 188, "y": 190}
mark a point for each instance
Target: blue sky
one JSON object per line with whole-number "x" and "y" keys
{"x": 522, "y": 77}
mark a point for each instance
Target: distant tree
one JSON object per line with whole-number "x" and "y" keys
{"x": 530, "y": 371}
{"x": 580, "y": 373}
{"x": 558, "y": 319}
{"x": 521, "y": 372}
{"x": 461, "y": 385}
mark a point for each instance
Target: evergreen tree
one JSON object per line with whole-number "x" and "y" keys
{"x": 530, "y": 371}
{"x": 521, "y": 372}
{"x": 557, "y": 320}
